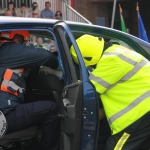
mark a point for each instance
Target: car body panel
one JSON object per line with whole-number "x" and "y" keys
{"x": 88, "y": 107}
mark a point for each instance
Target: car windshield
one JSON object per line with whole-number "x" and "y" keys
{"x": 146, "y": 47}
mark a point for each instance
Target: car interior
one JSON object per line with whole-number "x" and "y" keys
{"x": 41, "y": 86}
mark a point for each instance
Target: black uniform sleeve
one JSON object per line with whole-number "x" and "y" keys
{"x": 14, "y": 55}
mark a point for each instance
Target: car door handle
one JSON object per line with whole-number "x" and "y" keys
{"x": 61, "y": 116}
{"x": 66, "y": 102}
{"x": 64, "y": 95}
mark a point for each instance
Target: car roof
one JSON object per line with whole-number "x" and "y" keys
{"x": 19, "y": 20}
{"x": 12, "y": 20}
{"x": 6, "y": 20}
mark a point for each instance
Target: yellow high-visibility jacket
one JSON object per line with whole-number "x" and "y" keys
{"x": 122, "y": 78}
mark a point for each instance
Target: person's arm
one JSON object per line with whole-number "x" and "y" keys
{"x": 26, "y": 57}
{"x": 48, "y": 70}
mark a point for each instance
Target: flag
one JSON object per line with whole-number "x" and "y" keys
{"x": 123, "y": 27}
{"x": 141, "y": 28}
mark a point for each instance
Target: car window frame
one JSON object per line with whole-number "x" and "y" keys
{"x": 107, "y": 33}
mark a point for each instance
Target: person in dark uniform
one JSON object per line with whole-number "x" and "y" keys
{"x": 15, "y": 60}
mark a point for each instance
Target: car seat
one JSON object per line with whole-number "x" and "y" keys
{"x": 8, "y": 140}
{"x": 46, "y": 87}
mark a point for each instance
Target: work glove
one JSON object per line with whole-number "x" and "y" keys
{"x": 48, "y": 70}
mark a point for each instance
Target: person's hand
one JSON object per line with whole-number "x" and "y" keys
{"x": 101, "y": 113}
{"x": 53, "y": 48}
{"x": 48, "y": 70}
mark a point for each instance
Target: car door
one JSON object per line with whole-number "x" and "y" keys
{"x": 79, "y": 106}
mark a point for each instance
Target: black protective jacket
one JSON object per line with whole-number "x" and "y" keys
{"x": 14, "y": 56}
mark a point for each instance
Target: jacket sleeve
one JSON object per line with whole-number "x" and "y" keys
{"x": 13, "y": 55}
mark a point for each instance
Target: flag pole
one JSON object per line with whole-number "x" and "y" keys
{"x": 123, "y": 26}
{"x": 137, "y": 9}
{"x": 120, "y": 8}
{"x": 113, "y": 14}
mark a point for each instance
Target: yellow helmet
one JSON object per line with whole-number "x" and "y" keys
{"x": 91, "y": 49}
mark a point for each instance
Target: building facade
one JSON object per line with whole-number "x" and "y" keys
{"x": 94, "y": 9}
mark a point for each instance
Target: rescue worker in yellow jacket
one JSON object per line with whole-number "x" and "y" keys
{"x": 121, "y": 76}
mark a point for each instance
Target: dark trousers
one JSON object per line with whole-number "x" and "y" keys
{"x": 43, "y": 114}
{"x": 134, "y": 137}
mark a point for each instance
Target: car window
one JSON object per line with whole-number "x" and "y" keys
{"x": 45, "y": 40}
{"x": 146, "y": 47}
{"x": 75, "y": 66}
{"x": 40, "y": 41}
{"x": 106, "y": 39}
{"x": 120, "y": 42}
{"x": 48, "y": 43}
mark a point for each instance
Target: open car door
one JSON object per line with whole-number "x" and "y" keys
{"x": 79, "y": 105}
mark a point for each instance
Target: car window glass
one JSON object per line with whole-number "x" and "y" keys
{"x": 76, "y": 66}
{"x": 46, "y": 41}
{"x": 39, "y": 41}
{"x": 145, "y": 47}
{"x": 120, "y": 42}
{"x": 106, "y": 39}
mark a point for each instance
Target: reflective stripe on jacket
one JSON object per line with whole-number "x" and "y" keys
{"x": 122, "y": 77}
{"x": 12, "y": 88}
{"x": 12, "y": 81}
